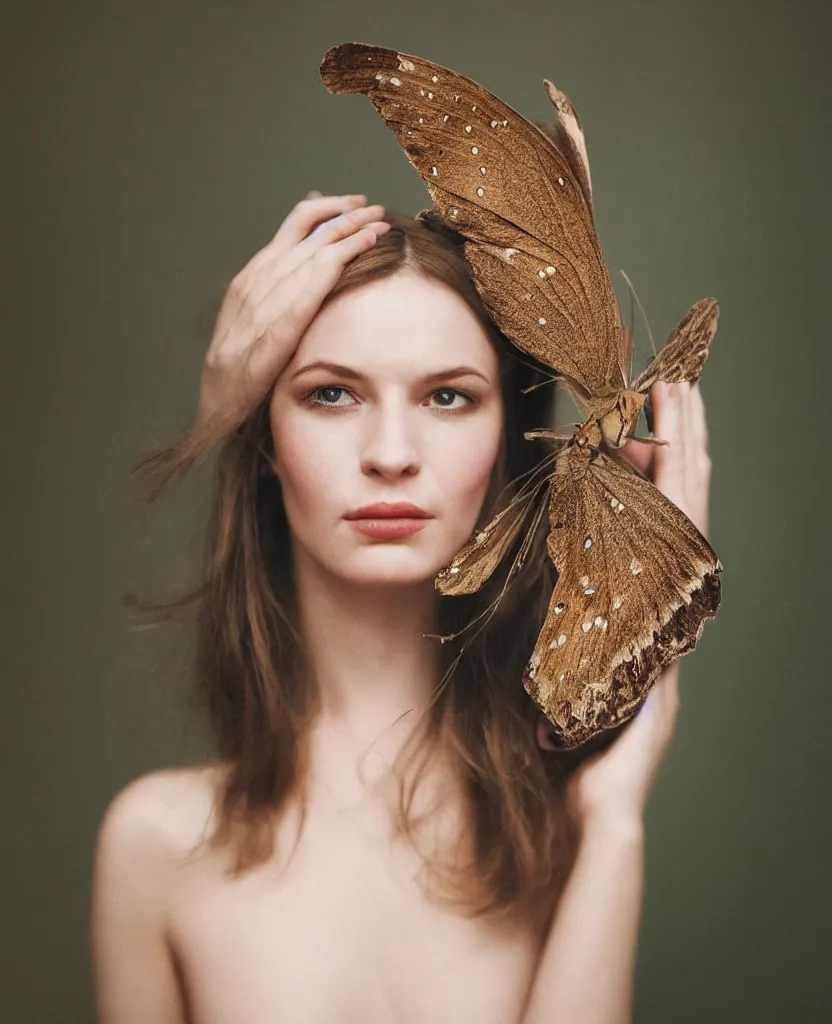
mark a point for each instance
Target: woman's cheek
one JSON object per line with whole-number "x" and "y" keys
{"x": 466, "y": 473}
{"x": 305, "y": 461}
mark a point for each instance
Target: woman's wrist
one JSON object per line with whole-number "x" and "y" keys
{"x": 620, "y": 827}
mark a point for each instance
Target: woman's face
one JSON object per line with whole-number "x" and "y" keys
{"x": 414, "y": 415}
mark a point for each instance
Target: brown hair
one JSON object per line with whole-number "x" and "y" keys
{"x": 250, "y": 668}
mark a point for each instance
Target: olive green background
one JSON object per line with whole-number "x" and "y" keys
{"x": 150, "y": 150}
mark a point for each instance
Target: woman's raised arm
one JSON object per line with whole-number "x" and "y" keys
{"x": 273, "y": 299}
{"x": 587, "y": 966}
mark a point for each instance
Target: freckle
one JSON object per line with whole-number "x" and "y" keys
{"x": 586, "y": 626}
{"x": 480, "y": 191}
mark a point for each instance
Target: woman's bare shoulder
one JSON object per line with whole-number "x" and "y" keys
{"x": 169, "y": 808}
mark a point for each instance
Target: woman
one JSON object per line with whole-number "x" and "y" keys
{"x": 387, "y": 834}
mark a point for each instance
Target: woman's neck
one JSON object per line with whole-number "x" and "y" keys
{"x": 366, "y": 649}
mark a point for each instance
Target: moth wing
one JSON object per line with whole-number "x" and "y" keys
{"x": 636, "y": 582}
{"x": 474, "y": 563}
{"x": 685, "y": 352}
{"x": 567, "y": 133}
{"x": 501, "y": 182}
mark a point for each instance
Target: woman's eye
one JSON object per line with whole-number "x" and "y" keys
{"x": 327, "y": 397}
{"x": 467, "y": 400}
{"x": 327, "y": 400}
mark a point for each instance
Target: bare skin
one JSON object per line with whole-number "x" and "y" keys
{"x": 346, "y": 933}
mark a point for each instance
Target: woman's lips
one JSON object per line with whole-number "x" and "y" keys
{"x": 388, "y": 528}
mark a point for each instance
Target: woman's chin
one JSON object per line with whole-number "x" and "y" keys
{"x": 389, "y": 568}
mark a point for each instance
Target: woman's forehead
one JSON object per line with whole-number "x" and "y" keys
{"x": 400, "y": 321}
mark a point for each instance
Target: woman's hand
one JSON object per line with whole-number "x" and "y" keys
{"x": 613, "y": 786}
{"x": 273, "y": 299}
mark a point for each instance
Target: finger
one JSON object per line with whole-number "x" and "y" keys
{"x": 698, "y": 421}
{"x": 281, "y": 264}
{"x": 308, "y": 213}
{"x": 640, "y": 455}
{"x": 668, "y": 466}
{"x": 315, "y": 275}
{"x": 304, "y": 216}
{"x": 332, "y": 230}
{"x": 295, "y": 301}
{"x": 684, "y": 427}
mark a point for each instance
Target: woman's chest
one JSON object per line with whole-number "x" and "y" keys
{"x": 344, "y": 934}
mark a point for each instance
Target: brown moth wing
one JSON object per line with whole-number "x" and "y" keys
{"x": 684, "y": 353}
{"x": 636, "y": 582}
{"x": 568, "y": 135}
{"x": 548, "y": 314}
{"x": 527, "y": 199}
{"x": 474, "y": 563}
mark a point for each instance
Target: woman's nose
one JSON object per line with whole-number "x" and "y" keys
{"x": 390, "y": 447}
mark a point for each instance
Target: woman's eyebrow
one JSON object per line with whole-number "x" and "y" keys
{"x": 347, "y": 371}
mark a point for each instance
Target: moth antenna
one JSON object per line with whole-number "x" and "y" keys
{"x": 529, "y": 484}
{"x": 632, "y": 337}
{"x": 441, "y": 684}
{"x": 516, "y": 564}
{"x": 519, "y": 358}
{"x": 646, "y": 321}
{"x": 534, "y": 387}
